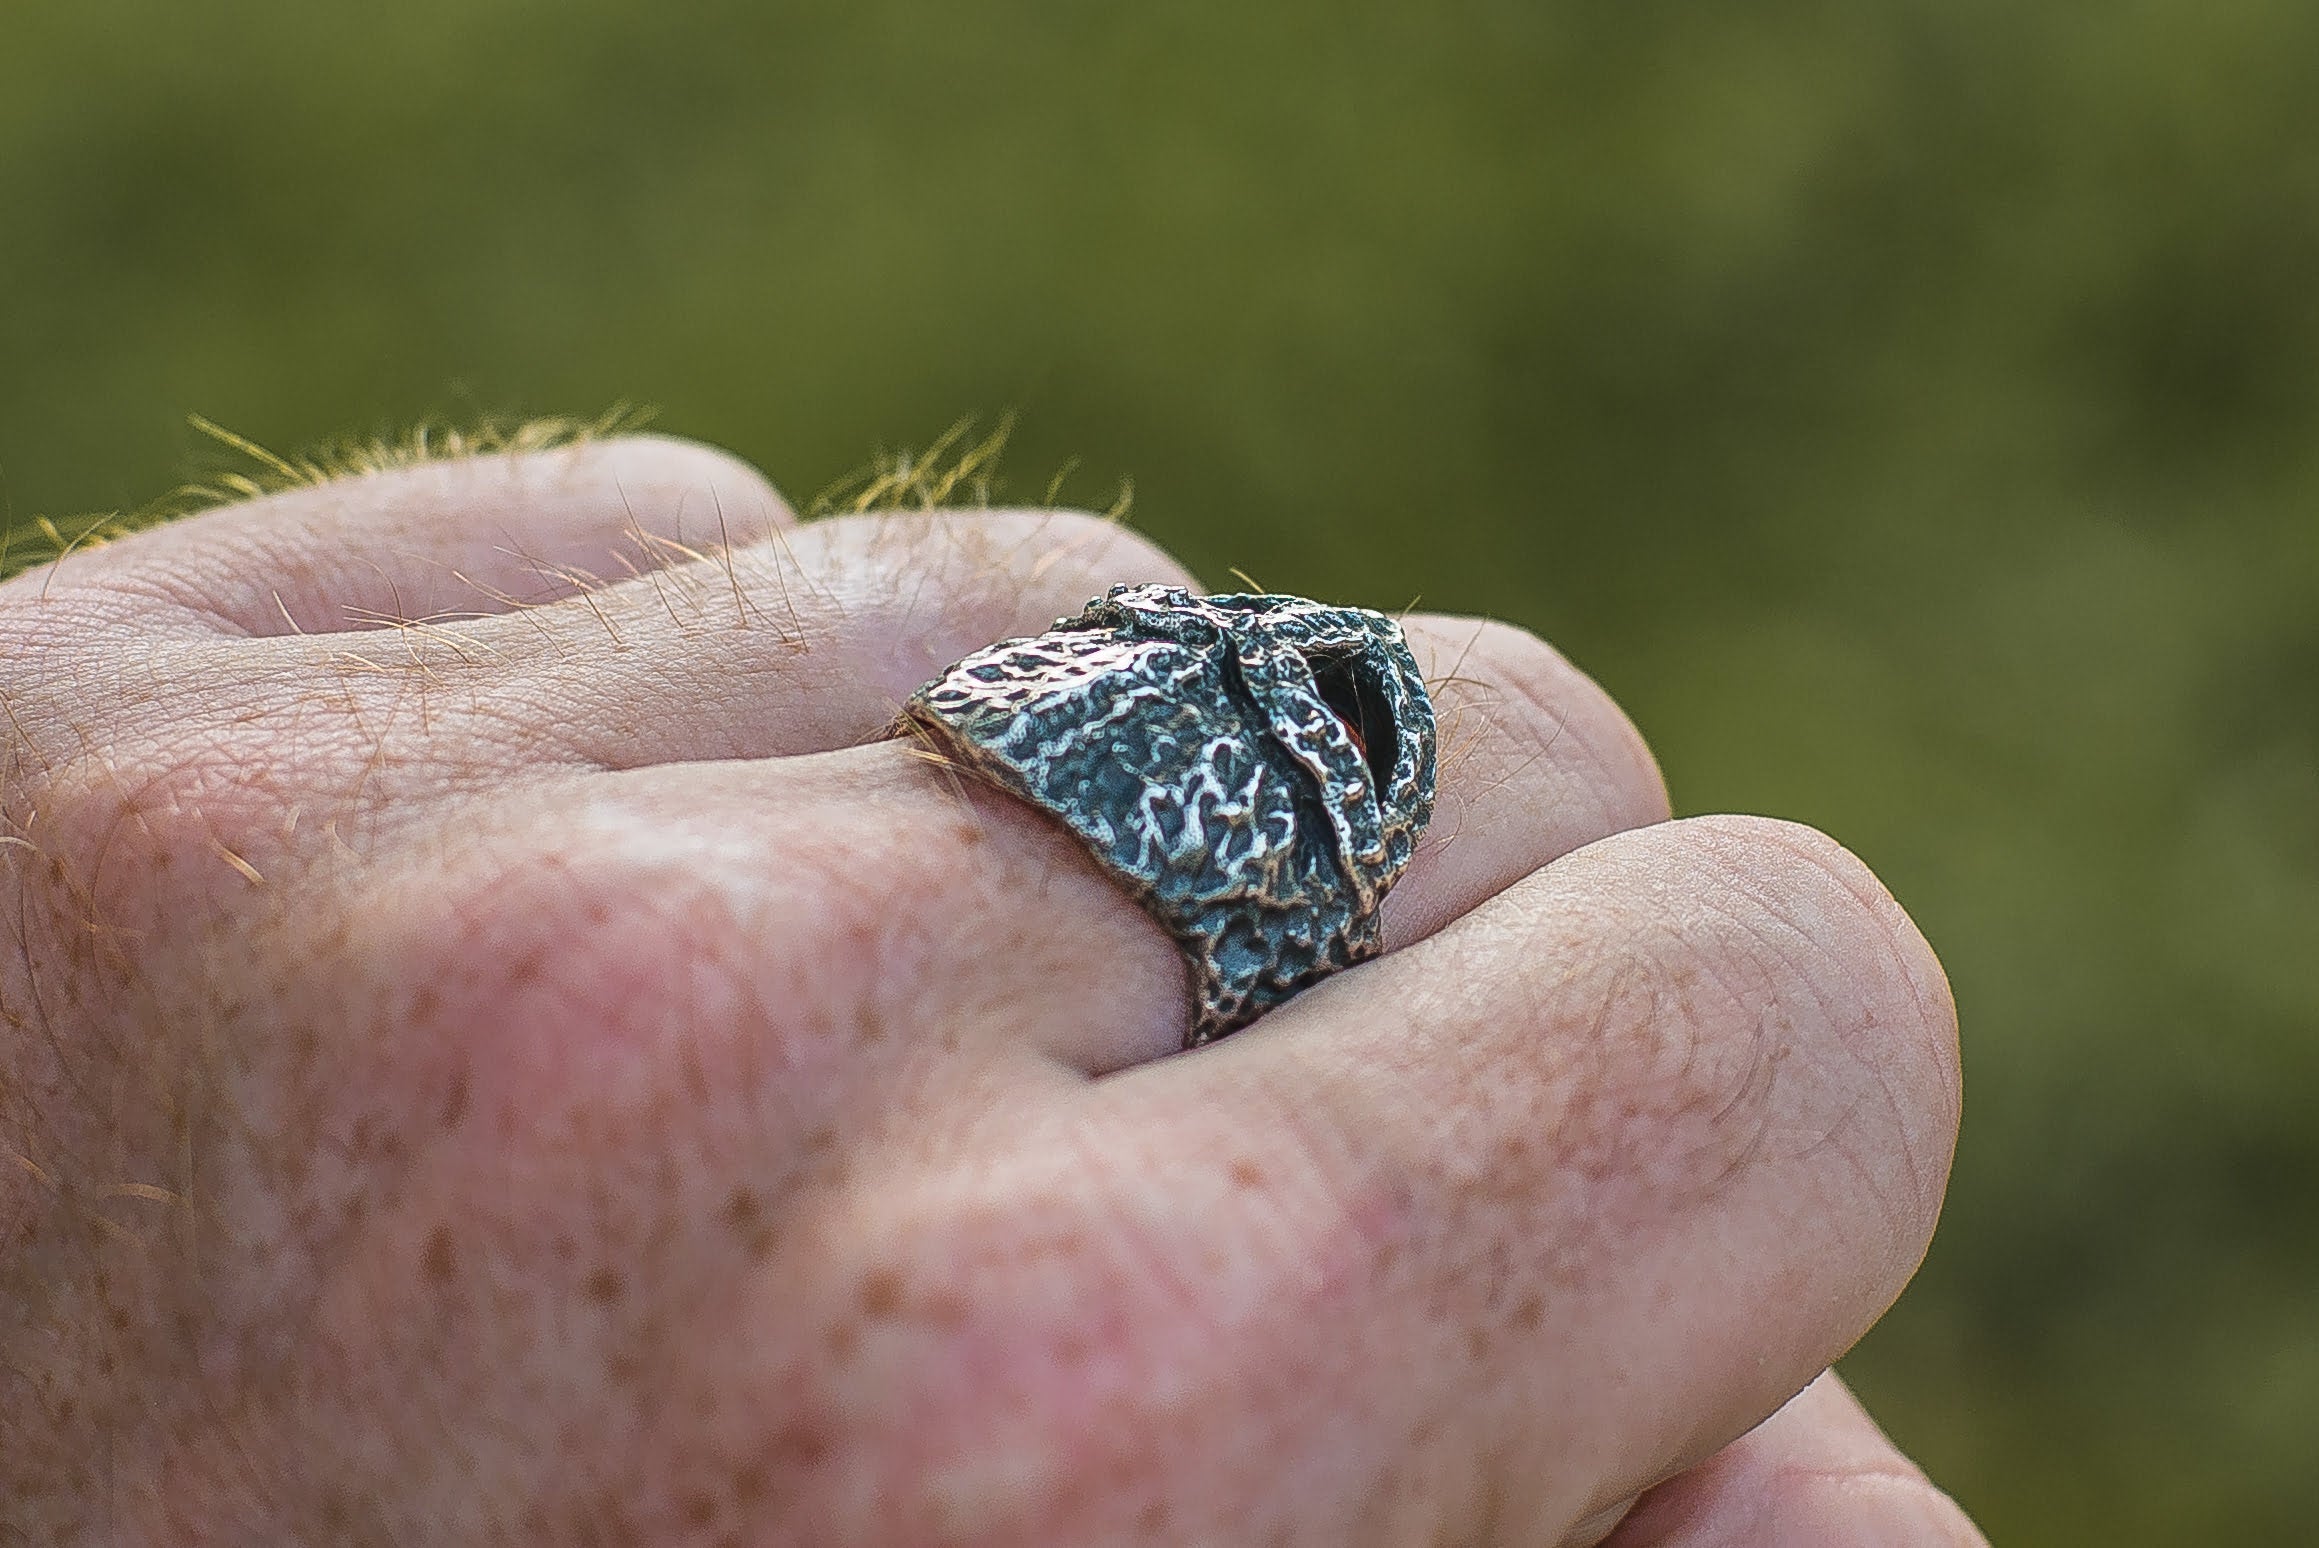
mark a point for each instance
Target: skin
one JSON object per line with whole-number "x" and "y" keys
{"x": 550, "y": 1073}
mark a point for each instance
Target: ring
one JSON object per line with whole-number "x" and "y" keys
{"x": 1254, "y": 770}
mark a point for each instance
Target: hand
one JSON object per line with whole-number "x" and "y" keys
{"x": 547, "y": 1072}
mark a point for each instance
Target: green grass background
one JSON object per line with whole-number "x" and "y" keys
{"x": 1906, "y": 408}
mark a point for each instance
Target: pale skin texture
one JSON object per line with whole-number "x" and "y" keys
{"x": 555, "y": 1076}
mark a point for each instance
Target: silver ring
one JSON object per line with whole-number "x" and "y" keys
{"x": 1254, "y": 770}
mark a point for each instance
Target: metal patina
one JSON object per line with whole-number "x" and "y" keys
{"x": 1255, "y": 770}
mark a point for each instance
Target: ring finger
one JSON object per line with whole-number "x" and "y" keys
{"x": 1536, "y": 761}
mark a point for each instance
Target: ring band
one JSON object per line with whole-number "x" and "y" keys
{"x": 1255, "y": 770}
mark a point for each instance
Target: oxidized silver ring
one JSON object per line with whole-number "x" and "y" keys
{"x": 1254, "y": 770}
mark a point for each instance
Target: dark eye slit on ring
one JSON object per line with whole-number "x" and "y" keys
{"x": 1360, "y": 703}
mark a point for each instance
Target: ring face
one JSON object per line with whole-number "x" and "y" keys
{"x": 1255, "y": 770}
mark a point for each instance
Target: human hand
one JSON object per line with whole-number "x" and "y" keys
{"x": 555, "y": 1076}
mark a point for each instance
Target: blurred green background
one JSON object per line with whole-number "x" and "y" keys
{"x": 1907, "y": 409}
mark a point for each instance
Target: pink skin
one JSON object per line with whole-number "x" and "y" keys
{"x": 551, "y": 1074}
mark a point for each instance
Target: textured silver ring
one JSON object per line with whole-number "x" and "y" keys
{"x": 1254, "y": 770}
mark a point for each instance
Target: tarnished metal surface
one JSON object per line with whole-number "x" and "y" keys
{"x": 1255, "y": 770}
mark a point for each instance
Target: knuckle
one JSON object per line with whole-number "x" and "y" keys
{"x": 531, "y": 940}
{"x": 163, "y": 803}
{"x": 148, "y": 787}
{"x": 126, "y": 827}
{"x": 1032, "y": 1339}
{"x": 613, "y": 926}
{"x": 1001, "y": 1348}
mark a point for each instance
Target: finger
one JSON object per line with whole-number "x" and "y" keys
{"x": 1817, "y": 1474}
{"x": 812, "y": 642}
{"x": 1534, "y": 758}
{"x": 807, "y": 642}
{"x": 1047, "y": 949}
{"x": 844, "y": 617}
{"x": 1537, "y": 761}
{"x": 388, "y": 723}
{"x": 458, "y": 537}
{"x": 1583, "y": 1187}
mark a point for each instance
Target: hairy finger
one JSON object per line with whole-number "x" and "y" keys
{"x": 439, "y": 540}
